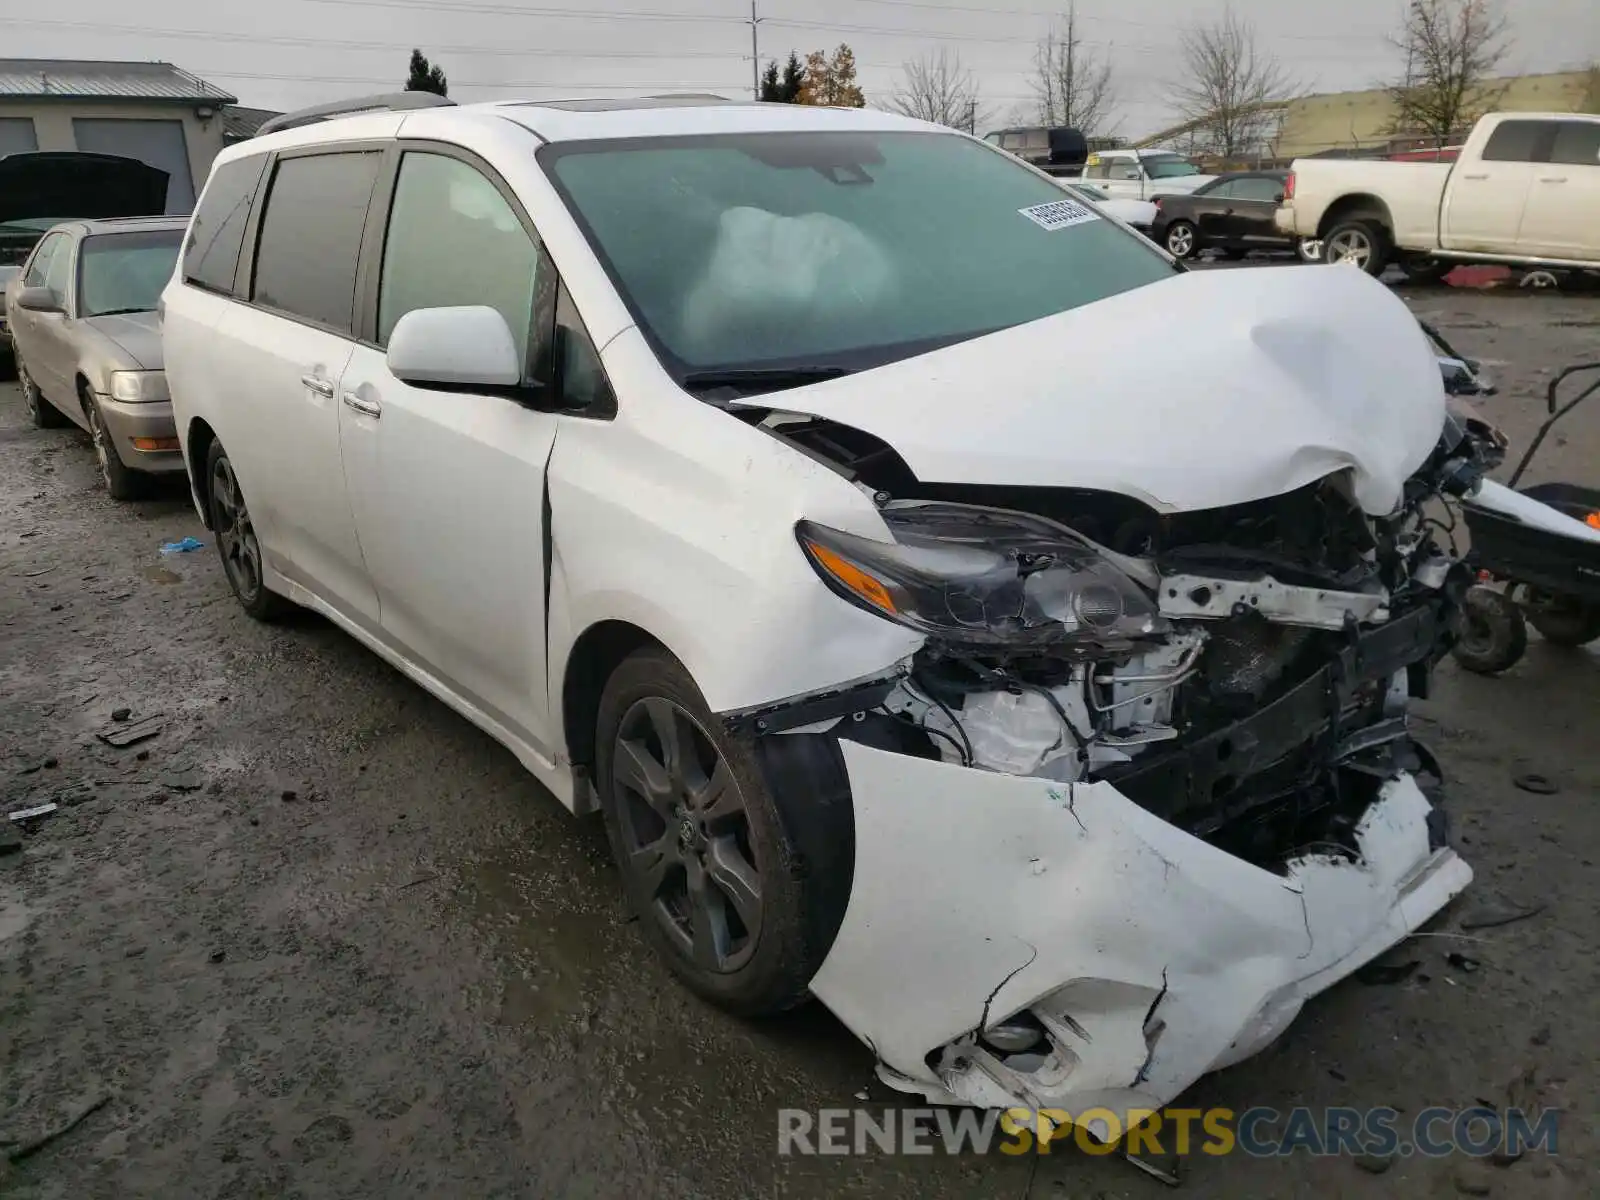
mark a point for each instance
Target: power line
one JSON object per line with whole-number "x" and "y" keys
{"x": 609, "y": 85}
{"x": 517, "y": 10}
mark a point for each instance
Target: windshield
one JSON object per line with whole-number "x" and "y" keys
{"x": 834, "y": 250}
{"x": 125, "y": 272}
{"x": 1168, "y": 166}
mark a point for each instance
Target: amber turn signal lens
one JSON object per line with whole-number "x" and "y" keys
{"x": 155, "y": 443}
{"x": 852, "y": 577}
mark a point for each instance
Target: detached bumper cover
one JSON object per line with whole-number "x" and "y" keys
{"x": 1150, "y": 956}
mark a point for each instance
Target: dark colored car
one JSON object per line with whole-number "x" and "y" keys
{"x": 1233, "y": 213}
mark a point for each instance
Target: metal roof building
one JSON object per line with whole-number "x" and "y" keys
{"x": 151, "y": 111}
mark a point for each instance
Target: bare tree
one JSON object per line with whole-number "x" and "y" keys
{"x": 1452, "y": 49}
{"x": 1232, "y": 88}
{"x": 1072, "y": 81}
{"x": 938, "y": 88}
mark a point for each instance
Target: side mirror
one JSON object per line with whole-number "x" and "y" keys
{"x": 38, "y": 299}
{"x": 455, "y": 348}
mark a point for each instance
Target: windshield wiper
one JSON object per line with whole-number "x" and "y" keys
{"x": 762, "y": 379}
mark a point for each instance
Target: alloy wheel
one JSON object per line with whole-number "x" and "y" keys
{"x": 1350, "y": 247}
{"x": 1180, "y": 241}
{"x": 30, "y": 391}
{"x": 236, "y": 536}
{"x": 686, "y": 835}
{"x": 1310, "y": 250}
{"x": 102, "y": 444}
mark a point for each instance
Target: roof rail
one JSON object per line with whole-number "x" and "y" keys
{"x": 388, "y": 102}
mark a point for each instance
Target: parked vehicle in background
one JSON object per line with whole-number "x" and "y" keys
{"x": 1143, "y": 174}
{"x": 86, "y": 342}
{"x": 8, "y": 273}
{"x": 1056, "y": 743}
{"x": 1523, "y": 191}
{"x": 1058, "y": 150}
{"x": 1234, "y": 213}
{"x": 41, "y": 188}
{"x": 1141, "y": 214}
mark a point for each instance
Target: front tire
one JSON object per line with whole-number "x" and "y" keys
{"x": 1493, "y": 635}
{"x": 1182, "y": 240}
{"x": 237, "y": 542}
{"x": 43, "y": 414}
{"x": 710, "y": 865}
{"x": 1562, "y": 620}
{"x": 122, "y": 482}
{"x": 1358, "y": 243}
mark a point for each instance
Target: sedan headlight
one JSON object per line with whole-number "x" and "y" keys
{"x": 137, "y": 387}
{"x": 983, "y": 577}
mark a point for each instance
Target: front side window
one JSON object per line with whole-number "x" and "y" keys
{"x": 310, "y": 238}
{"x": 834, "y": 249}
{"x": 216, "y": 235}
{"x": 1516, "y": 141}
{"x": 453, "y": 239}
{"x": 1168, "y": 166}
{"x": 59, "y": 273}
{"x": 125, "y": 272}
{"x": 1577, "y": 144}
{"x": 40, "y": 266}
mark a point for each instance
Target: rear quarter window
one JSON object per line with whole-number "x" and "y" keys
{"x": 211, "y": 251}
{"x": 1517, "y": 141}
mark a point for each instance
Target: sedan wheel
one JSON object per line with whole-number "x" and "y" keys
{"x": 686, "y": 835}
{"x": 1180, "y": 239}
{"x": 121, "y": 483}
{"x": 40, "y": 411}
{"x": 1309, "y": 249}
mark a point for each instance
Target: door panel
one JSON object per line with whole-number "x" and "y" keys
{"x": 1562, "y": 218}
{"x": 1255, "y": 204}
{"x": 1212, "y": 212}
{"x": 50, "y": 358}
{"x": 448, "y": 486}
{"x": 1485, "y": 199}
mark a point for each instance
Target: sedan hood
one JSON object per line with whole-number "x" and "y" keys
{"x": 135, "y": 333}
{"x": 76, "y": 185}
{"x": 1209, "y": 389}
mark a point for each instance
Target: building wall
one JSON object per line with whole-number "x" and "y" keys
{"x": 1351, "y": 120}
{"x": 53, "y": 128}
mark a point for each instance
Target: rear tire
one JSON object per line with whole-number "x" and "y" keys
{"x": 1493, "y": 635}
{"x": 1182, "y": 240}
{"x": 236, "y": 540}
{"x": 1562, "y": 620}
{"x": 1358, "y": 242}
{"x": 43, "y": 414}
{"x": 1422, "y": 269}
{"x": 711, "y": 863}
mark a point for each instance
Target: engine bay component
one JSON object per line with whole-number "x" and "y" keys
{"x": 1320, "y": 608}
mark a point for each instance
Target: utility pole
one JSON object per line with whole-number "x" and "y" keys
{"x": 755, "y": 53}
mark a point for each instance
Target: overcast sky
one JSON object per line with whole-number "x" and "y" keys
{"x": 283, "y": 54}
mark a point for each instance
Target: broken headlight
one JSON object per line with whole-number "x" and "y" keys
{"x": 983, "y": 577}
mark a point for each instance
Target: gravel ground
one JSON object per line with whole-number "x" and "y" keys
{"x": 321, "y": 938}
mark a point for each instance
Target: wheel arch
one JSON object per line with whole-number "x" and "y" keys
{"x": 1357, "y": 204}
{"x": 197, "y": 439}
{"x": 598, "y": 651}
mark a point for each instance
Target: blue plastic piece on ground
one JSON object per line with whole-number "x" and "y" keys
{"x": 182, "y": 547}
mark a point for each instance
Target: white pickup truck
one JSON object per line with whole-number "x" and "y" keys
{"x": 1524, "y": 190}
{"x": 1142, "y": 174}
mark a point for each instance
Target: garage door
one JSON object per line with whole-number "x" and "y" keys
{"x": 159, "y": 143}
{"x": 17, "y": 136}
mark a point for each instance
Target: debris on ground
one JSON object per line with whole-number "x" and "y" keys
{"x": 1461, "y": 962}
{"x": 1493, "y": 911}
{"x": 1164, "y": 1168}
{"x": 34, "y": 1145}
{"x": 28, "y": 814}
{"x": 1539, "y": 785}
{"x": 182, "y": 547}
{"x": 127, "y": 733}
{"x": 121, "y": 714}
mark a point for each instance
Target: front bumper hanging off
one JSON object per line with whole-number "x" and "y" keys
{"x": 1149, "y": 956}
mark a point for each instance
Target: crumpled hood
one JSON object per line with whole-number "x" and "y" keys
{"x": 136, "y": 334}
{"x": 1209, "y": 389}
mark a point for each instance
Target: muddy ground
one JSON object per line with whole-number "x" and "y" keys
{"x": 321, "y": 938}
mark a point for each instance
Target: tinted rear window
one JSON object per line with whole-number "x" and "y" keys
{"x": 1577, "y": 143}
{"x": 311, "y": 236}
{"x": 1516, "y": 141}
{"x": 211, "y": 254}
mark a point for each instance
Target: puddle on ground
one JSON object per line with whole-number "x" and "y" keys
{"x": 160, "y": 574}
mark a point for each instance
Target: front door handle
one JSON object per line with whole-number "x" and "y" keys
{"x": 1485, "y": 175}
{"x": 319, "y": 385}
{"x": 367, "y": 408}
{"x": 1552, "y": 179}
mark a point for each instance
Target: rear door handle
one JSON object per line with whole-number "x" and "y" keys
{"x": 1483, "y": 176}
{"x": 367, "y": 408}
{"x": 319, "y": 385}
{"x": 1552, "y": 179}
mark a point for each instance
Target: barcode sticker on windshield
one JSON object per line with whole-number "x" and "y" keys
{"x": 1059, "y": 214}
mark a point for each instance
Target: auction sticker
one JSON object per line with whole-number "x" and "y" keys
{"x": 1059, "y": 214}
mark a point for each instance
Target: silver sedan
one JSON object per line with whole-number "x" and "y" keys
{"x": 83, "y": 325}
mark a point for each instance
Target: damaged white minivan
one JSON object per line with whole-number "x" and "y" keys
{"x": 959, "y": 611}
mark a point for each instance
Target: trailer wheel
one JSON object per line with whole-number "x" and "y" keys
{"x": 1493, "y": 634}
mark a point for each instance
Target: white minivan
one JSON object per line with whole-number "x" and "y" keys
{"x": 801, "y": 489}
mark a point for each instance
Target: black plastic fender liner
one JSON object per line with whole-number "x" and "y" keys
{"x": 806, "y": 777}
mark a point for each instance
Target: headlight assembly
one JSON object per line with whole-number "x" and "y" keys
{"x": 983, "y": 578}
{"x": 136, "y": 387}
